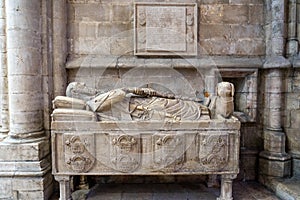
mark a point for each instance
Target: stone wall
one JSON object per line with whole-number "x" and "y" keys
{"x": 101, "y": 41}
{"x": 225, "y": 27}
{"x": 232, "y": 27}
{"x": 292, "y": 116}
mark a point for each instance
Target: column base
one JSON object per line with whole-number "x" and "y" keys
{"x": 295, "y": 164}
{"x": 36, "y": 137}
{"x": 275, "y": 165}
{"x": 25, "y": 170}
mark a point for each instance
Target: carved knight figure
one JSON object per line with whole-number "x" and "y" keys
{"x": 140, "y": 104}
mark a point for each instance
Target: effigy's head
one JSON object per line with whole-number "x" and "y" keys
{"x": 225, "y": 89}
{"x": 75, "y": 86}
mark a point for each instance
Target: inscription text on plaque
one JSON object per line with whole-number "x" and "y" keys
{"x": 165, "y": 29}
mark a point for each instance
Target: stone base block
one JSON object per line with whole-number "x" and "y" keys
{"x": 25, "y": 170}
{"x": 295, "y": 163}
{"x": 34, "y": 151}
{"x": 19, "y": 187}
{"x": 275, "y": 168}
{"x": 296, "y": 167}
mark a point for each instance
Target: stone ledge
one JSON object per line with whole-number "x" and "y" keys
{"x": 95, "y": 61}
{"x": 276, "y": 62}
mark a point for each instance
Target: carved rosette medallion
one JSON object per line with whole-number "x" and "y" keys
{"x": 79, "y": 152}
{"x": 213, "y": 150}
{"x": 125, "y": 152}
{"x": 168, "y": 152}
{"x": 165, "y": 29}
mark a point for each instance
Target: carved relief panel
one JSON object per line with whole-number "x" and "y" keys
{"x": 165, "y": 29}
{"x": 213, "y": 150}
{"x": 168, "y": 151}
{"x": 79, "y": 152}
{"x": 125, "y": 152}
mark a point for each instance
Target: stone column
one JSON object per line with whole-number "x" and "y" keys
{"x": 25, "y": 162}
{"x": 296, "y": 62}
{"x": 59, "y": 46}
{"x": 3, "y": 74}
{"x": 274, "y": 161}
{"x": 292, "y": 43}
{"x": 24, "y": 61}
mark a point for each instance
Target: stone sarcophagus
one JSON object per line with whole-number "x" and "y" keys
{"x": 145, "y": 133}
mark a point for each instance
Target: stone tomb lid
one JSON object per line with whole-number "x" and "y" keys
{"x": 164, "y": 29}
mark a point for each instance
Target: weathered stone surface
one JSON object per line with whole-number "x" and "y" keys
{"x": 92, "y": 12}
{"x": 165, "y": 29}
{"x": 234, "y": 14}
{"x": 274, "y": 168}
{"x": 121, "y": 12}
{"x": 236, "y": 37}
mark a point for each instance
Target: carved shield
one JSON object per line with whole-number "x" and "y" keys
{"x": 169, "y": 151}
{"x": 213, "y": 150}
{"x": 125, "y": 152}
{"x": 79, "y": 152}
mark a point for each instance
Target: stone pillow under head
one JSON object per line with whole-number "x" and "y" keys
{"x": 63, "y": 114}
{"x": 68, "y": 102}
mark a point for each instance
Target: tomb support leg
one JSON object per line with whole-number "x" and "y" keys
{"x": 64, "y": 187}
{"x": 226, "y": 187}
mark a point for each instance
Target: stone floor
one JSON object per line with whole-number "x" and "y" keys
{"x": 178, "y": 191}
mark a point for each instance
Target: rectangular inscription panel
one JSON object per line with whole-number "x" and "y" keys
{"x": 165, "y": 29}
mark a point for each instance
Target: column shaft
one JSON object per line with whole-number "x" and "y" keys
{"x": 292, "y": 44}
{"x": 274, "y": 92}
{"x": 24, "y": 59}
{"x": 59, "y": 46}
{"x": 278, "y": 32}
{"x": 3, "y": 73}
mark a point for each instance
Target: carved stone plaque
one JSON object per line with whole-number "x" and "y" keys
{"x": 125, "y": 153}
{"x": 214, "y": 150}
{"x": 168, "y": 152}
{"x": 165, "y": 29}
{"x": 79, "y": 152}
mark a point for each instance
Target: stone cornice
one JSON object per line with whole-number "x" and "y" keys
{"x": 276, "y": 62}
{"x": 92, "y": 61}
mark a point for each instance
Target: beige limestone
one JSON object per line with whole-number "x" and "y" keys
{"x": 3, "y": 79}
{"x": 94, "y": 40}
{"x": 155, "y": 138}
